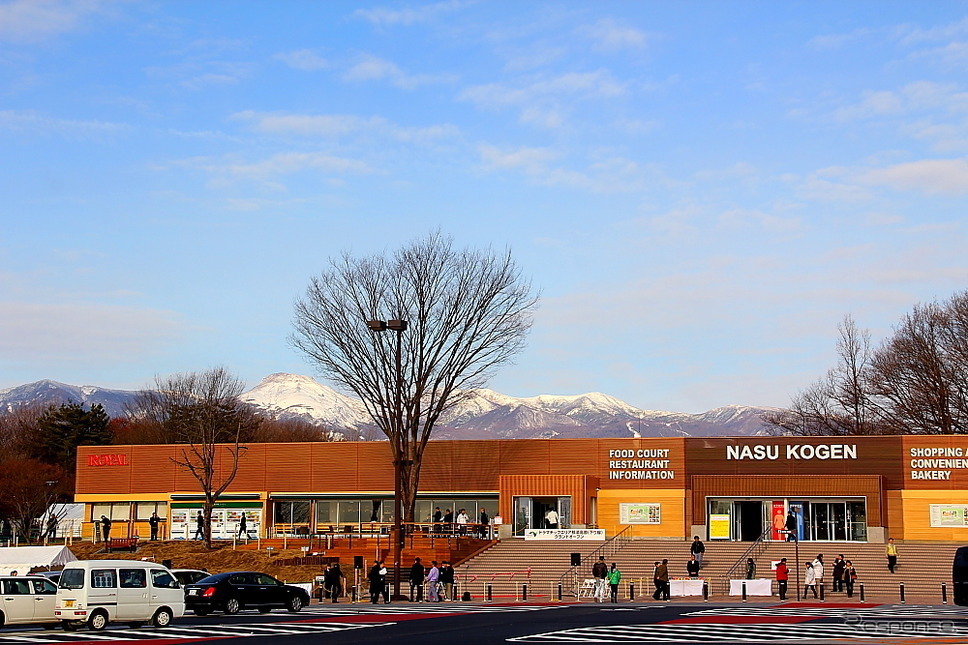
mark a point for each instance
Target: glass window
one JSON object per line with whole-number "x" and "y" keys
{"x": 103, "y": 579}
{"x": 115, "y": 511}
{"x": 71, "y": 579}
{"x": 133, "y": 578}
{"x": 143, "y": 510}
{"x": 44, "y": 587}
{"x": 163, "y": 580}
{"x": 264, "y": 579}
{"x": 326, "y": 512}
{"x": 349, "y": 512}
{"x": 17, "y": 588}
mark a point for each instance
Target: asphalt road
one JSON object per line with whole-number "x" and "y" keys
{"x": 472, "y": 624}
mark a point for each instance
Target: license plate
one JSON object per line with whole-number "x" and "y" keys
{"x": 68, "y": 603}
{"x": 193, "y": 592}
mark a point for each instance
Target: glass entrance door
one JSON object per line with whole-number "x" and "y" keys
{"x": 522, "y": 515}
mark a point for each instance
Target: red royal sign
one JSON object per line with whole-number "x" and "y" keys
{"x": 107, "y": 460}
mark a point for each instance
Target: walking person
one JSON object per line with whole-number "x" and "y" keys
{"x": 891, "y": 555}
{"x": 782, "y": 576}
{"x": 656, "y": 585}
{"x": 433, "y": 579}
{"x": 416, "y": 578}
{"x": 697, "y": 549}
{"x": 809, "y": 580}
{"x": 818, "y": 571}
{"x": 105, "y": 527}
{"x": 199, "y": 526}
{"x": 614, "y": 578}
{"x": 52, "y": 527}
{"x": 600, "y": 573}
{"x": 838, "y": 572}
{"x": 376, "y": 582}
{"x": 153, "y": 523}
{"x": 383, "y": 583}
{"x": 791, "y": 525}
{"x": 243, "y": 530}
{"x": 334, "y": 581}
{"x": 447, "y": 580}
{"x": 849, "y": 578}
{"x": 551, "y": 518}
{"x": 662, "y": 576}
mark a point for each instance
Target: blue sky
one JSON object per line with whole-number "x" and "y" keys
{"x": 700, "y": 190}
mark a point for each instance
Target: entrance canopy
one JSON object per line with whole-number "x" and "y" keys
{"x": 24, "y": 558}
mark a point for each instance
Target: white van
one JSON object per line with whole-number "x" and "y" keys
{"x": 96, "y": 592}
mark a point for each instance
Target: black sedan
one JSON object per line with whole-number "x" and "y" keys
{"x": 230, "y": 592}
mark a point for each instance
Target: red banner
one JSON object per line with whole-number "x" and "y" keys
{"x": 779, "y": 520}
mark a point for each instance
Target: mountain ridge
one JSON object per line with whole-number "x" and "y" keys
{"x": 479, "y": 414}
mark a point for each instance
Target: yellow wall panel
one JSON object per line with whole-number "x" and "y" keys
{"x": 672, "y": 510}
{"x": 916, "y": 508}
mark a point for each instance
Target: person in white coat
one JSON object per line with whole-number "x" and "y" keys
{"x": 817, "y": 571}
{"x": 809, "y": 580}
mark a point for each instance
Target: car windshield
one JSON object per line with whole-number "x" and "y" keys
{"x": 71, "y": 579}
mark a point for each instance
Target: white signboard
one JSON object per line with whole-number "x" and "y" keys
{"x": 639, "y": 513}
{"x": 565, "y": 534}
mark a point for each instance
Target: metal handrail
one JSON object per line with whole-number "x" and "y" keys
{"x": 754, "y": 547}
{"x": 610, "y": 548}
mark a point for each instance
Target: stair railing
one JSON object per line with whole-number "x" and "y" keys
{"x": 754, "y": 551}
{"x": 611, "y": 546}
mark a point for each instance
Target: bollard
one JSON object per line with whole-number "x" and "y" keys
{"x": 944, "y": 593}
{"x": 902, "y": 593}
{"x": 353, "y": 593}
{"x": 862, "y": 592}
{"x": 489, "y": 592}
{"x": 559, "y": 592}
{"x": 744, "y": 591}
{"x": 631, "y": 592}
{"x": 524, "y": 592}
{"x": 705, "y": 591}
{"x": 821, "y": 591}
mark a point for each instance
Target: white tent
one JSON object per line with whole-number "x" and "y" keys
{"x": 24, "y": 558}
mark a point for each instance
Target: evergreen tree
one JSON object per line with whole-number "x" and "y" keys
{"x": 62, "y": 429}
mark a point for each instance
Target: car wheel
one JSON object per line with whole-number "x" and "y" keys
{"x": 201, "y": 612}
{"x": 69, "y": 625}
{"x": 265, "y": 610}
{"x": 232, "y": 606}
{"x": 97, "y": 621}
{"x": 162, "y": 617}
{"x": 295, "y": 604}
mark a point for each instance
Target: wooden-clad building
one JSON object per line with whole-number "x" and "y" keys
{"x": 838, "y": 488}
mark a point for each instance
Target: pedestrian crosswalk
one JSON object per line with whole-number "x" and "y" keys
{"x": 183, "y": 632}
{"x": 751, "y": 633}
{"x": 420, "y": 608}
{"x": 815, "y": 611}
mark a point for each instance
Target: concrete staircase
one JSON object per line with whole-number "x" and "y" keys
{"x": 922, "y": 567}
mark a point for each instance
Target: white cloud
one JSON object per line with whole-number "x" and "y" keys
{"x": 931, "y": 176}
{"x": 339, "y": 125}
{"x": 35, "y": 20}
{"x": 611, "y": 36}
{"x": 29, "y": 122}
{"x": 536, "y": 94}
{"x": 303, "y": 59}
{"x": 372, "y": 68}
{"x": 286, "y": 163}
{"x": 39, "y": 333}
{"x": 384, "y": 17}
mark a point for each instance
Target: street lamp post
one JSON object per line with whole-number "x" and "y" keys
{"x": 397, "y": 534}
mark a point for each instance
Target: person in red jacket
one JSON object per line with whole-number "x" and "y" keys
{"x": 782, "y": 575}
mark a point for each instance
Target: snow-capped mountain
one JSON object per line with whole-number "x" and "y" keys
{"x": 478, "y": 414}
{"x": 49, "y": 392}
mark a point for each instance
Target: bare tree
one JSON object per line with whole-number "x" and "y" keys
{"x": 202, "y": 413}
{"x": 839, "y": 403}
{"x": 466, "y": 312}
{"x": 920, "y": 372}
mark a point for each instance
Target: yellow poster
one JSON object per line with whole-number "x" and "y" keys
{"x": 719, "y": 526}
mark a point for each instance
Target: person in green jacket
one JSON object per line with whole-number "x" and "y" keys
{"x": 614, "y": 577}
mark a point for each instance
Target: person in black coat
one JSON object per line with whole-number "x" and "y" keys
{"x": 333, "y": 580}
{"x": 692, "y": 567}
{"x": 153, "y": 523}
{"x": 106, "y": 527}
{"x": 416, "y": 578}
{"x": 791, "y": 526}
{"x": 376, "y": 582}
